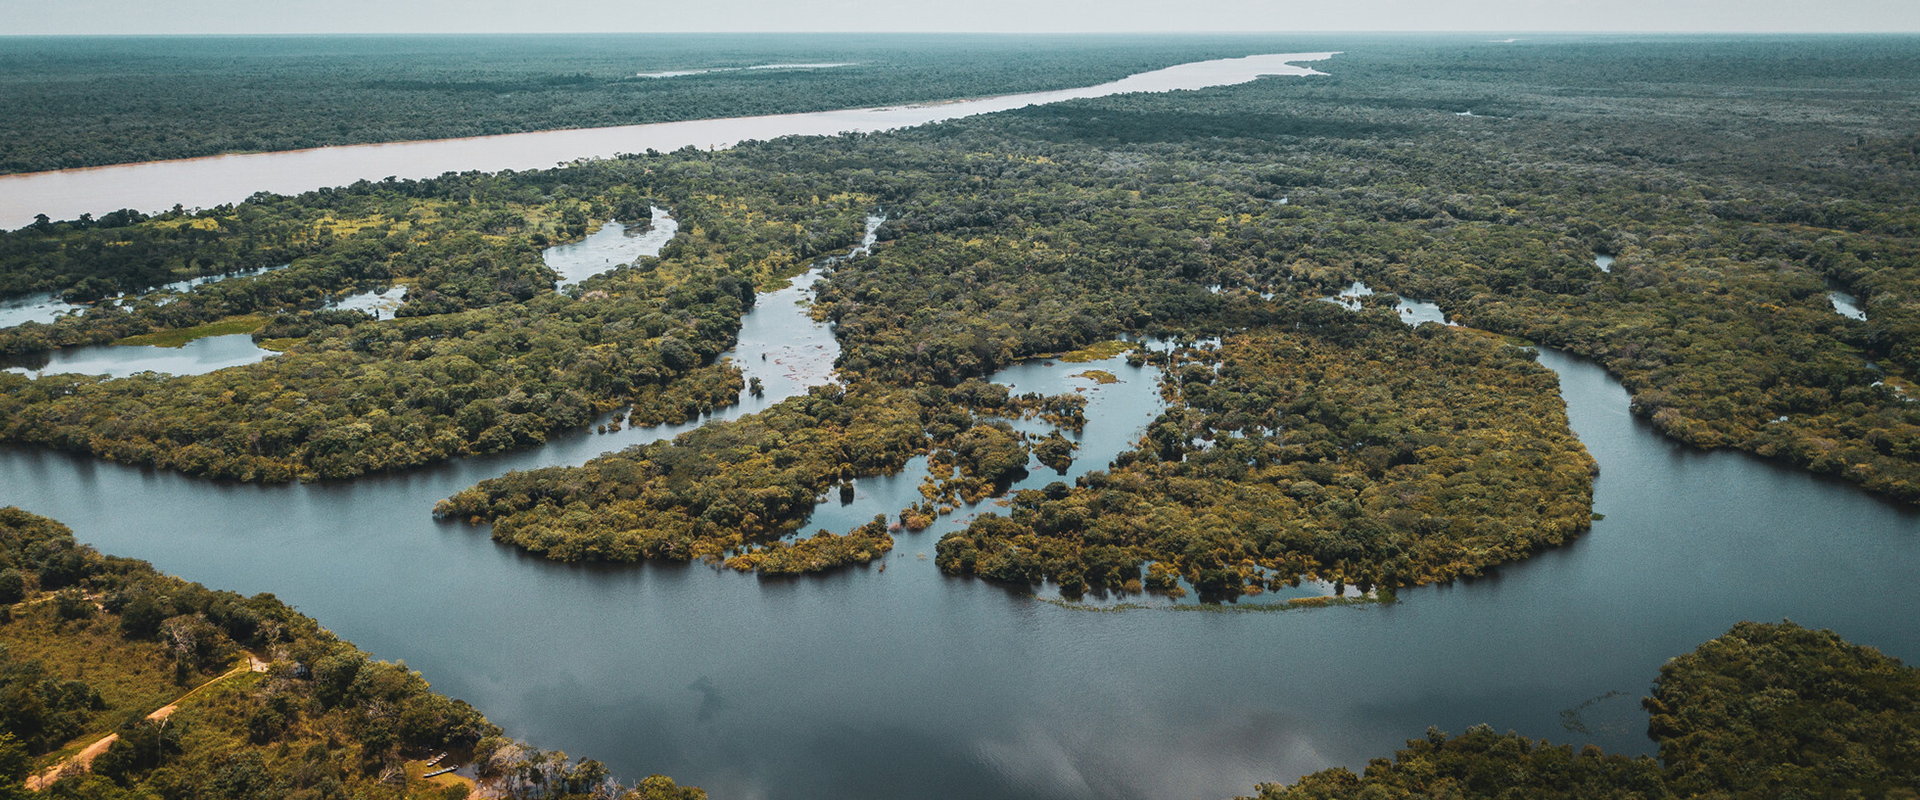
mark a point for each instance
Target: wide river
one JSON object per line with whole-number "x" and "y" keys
{"x": 206, "y": 182}
{"x": 904, "y": 683}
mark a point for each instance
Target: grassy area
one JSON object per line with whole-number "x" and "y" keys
{"x": 132, "y": 677}
{"x": 1099, "y": 376}
{"x": 116, "y": 641}
{"x": 1100, "y": 351}
{"x": 179, "y": 337}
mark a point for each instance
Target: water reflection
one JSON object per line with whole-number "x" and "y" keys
{"x": 907, "y": 683}
{"x": 1846, "y": 305}
{"x": 197, "y": 357}
{"x": 43, "y": 307}
{"x": 1412, "y": 312}
{"x": 381, "y": 303}
{"x": 613, "y": 245}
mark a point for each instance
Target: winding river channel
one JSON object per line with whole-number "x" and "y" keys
{"x": 904, "y": 683}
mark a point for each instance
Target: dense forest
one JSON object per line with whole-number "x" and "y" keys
{"x": 1765, "y": 711}
{"x": 1025, "y": 234}
{"x": 730, "y": 491}
{"x": 93, "y": 645}
{"x": 78, "y": 102}
{"x": 1350, "y": 451}
{"x": 1222, "y": 213}
{"x": 483, "y": 355}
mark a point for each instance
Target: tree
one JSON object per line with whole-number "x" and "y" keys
{"x": 13, "y": 586}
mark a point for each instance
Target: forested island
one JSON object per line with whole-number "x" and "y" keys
{"x": 1767, "y": 710}
{"x": 1676, "y": 211}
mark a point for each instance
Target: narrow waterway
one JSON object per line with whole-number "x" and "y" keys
{"x": 1846, "y": 305}
{"x": 614, "y": 244}
{"x": 45, "y": 307}
{"x": 906, "y": 683}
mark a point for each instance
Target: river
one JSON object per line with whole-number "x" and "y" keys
{"x": 207, "y": 182}
{"x": 907, "y": 683}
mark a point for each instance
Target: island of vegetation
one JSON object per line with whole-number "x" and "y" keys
{"x": 119, "y": 682}
{"x": 1765, "y": 711}
{"x": 1349, "y": 451}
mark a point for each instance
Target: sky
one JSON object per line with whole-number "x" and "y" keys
{"x": 1155, "y": 16}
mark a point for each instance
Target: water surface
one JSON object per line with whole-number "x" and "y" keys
{"x": 381, "y": 303}
{"x": 612, "y": 245}
{"x": 1411, "y": 311}
{"x": 197, "y": 357}
{"x": 1846, "y": 305}
{"x": 907, "y": 683}
{"x": 42, "y": 307}
{"x": 207, "y": 182}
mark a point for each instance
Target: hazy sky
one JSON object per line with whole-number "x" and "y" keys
{"x": 463, "y": 16}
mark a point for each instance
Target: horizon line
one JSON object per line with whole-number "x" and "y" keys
{"x": 877, "y": 32}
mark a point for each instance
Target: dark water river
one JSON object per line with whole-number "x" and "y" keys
{"x": 905, "y": 683}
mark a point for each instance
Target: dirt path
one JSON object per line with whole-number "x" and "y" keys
{"x": 83, "y": 760}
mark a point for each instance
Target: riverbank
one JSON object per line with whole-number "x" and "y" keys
{"x": 1691, "y": 542}
{"x": 301, "y": 709}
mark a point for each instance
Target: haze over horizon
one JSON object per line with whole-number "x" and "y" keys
{"x": 84, "y": 17}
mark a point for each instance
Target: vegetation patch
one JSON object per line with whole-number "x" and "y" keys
{"x": 1099, "y": 351}
{"x": 1763, "y": 711}
{"x": 179, "y": 337}
{"x": 484, "y": 357}
{"x": 96, "y": 645}
{"x": 1293, "y": 604}
{"x": 730, "y": 492}
{"x": 1348, "y": 449}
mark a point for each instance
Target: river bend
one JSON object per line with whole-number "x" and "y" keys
{"x": 905, "y": 682}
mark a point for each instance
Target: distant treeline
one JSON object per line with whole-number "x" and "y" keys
{"x": 79, "y": 102}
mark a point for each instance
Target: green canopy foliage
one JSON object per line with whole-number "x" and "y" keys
{"x": 322, "y": 721}
{"x": 1764, "y": 711}
{"x": 1344, "y": 448}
